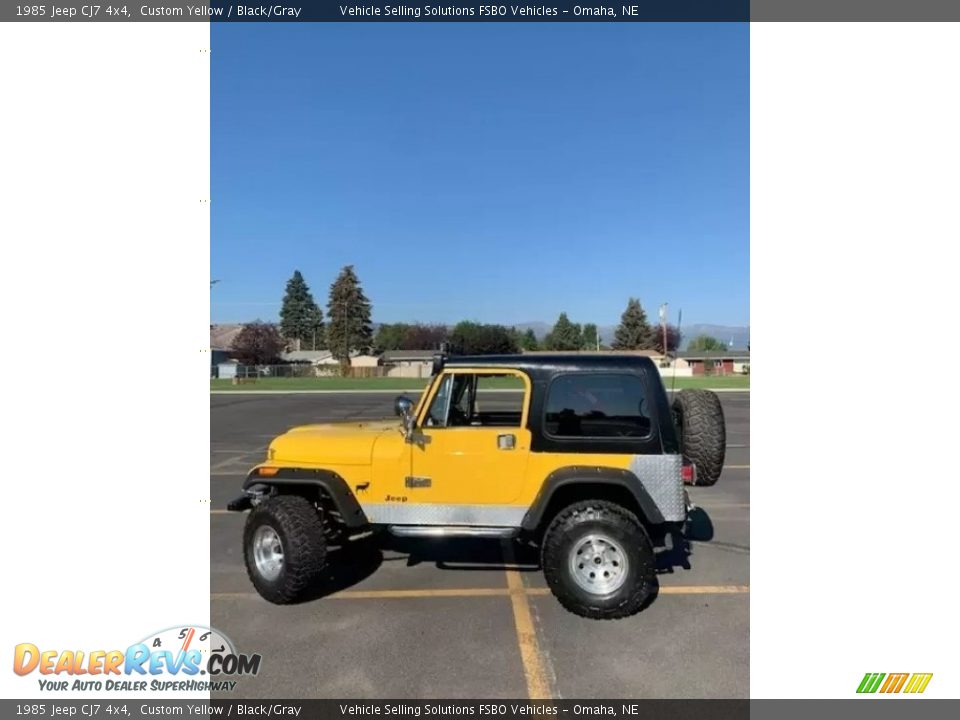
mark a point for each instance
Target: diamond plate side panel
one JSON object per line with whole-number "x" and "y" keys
{"x": 660, "y": 476}
{"x": 428, "y": 514}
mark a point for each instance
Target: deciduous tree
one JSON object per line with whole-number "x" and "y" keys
{"x": 706, "y": 343}
{"x": 673, "y": 338}
{"x": 528, "y": 341}
{"x": 470, "y": 338}
{"x": 589, "y": 337}
{"x": 258, "y": 343}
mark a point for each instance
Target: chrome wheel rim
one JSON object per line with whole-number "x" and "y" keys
{"x": 598, "y": 564}
{"x": 267, "y": 552}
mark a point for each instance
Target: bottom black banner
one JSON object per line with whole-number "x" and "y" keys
{"x": 114, "y": 709}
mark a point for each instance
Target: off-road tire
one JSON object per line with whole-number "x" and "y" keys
{"x": 598, "y": 517}
{"x": 703, "y": 432}
{"x": 300, "y": 527}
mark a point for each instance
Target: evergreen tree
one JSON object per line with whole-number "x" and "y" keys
{"x": 633, "y": 332}
{"x": 528, "y": 341}
{"x": 348, "y": 316}
{"x": 565, "y": 335}
{"x": 300, "y": 317}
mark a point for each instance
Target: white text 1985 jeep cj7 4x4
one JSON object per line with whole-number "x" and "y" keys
{"x": 581, "y": 455}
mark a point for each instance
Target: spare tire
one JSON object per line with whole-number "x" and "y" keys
{"x": 703, "y": 432}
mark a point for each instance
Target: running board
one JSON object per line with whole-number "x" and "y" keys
{"x": 452, "y": 531}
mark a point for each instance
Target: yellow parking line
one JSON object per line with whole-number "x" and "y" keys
{"x": 703, "y": 589}
{"x": 736, "y": 467}
{"x": 534, "y": 663}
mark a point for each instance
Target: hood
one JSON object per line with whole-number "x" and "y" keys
{"x": 346, "y": 443}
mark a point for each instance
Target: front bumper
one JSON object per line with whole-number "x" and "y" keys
{"x": 240, "y": 504}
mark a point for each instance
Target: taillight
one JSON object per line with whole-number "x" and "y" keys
{"x": 689, "y": 474}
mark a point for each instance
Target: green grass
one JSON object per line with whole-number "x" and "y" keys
{"x": 337, "y": 383}
{"x": 326, "y": 383}
{"x": 730, "y": 382}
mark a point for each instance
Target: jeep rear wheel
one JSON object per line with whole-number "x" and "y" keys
{"x": 703, "y": 432}
{"x": 598, "y": 560}
{"x": 284, "y": 548}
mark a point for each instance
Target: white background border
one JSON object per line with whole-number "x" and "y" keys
{"x": 855, "y": 214}
{"x": 104, "y": 280}
{"x": 855, "y": 160}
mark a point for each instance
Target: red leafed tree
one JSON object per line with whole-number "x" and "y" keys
{"x": 258, "y": 343}
{"x": 673, "y": 338}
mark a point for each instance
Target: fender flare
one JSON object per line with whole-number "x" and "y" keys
{"x": 590, "y": 475}
{"x": 287, "y": 480}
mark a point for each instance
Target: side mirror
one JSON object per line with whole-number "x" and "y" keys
{"x": 403, "y": 407}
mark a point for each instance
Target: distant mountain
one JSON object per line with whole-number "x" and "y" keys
{"x": 724, "y": 333}
{"x": 734, "y": 336}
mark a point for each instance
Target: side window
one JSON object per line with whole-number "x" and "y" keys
{"x": 437, "y": 414}
{"x": 596, "y": 405}
{"x": 451, "y": 406}
{"x": 467, "y": 400}
{"x": 499, "y": 401}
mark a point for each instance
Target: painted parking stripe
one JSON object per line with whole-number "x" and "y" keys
{"x": 534, "y": 662}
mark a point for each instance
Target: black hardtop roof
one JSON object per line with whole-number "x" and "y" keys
{"x": 547, "y": 362}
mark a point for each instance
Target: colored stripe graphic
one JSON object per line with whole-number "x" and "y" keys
{"x": 918, "y": 682}
{"x": 870, "y": 682}
{"x": 895, "y": 682}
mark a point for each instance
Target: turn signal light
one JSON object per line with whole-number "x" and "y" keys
{"x": 268, "y": 471}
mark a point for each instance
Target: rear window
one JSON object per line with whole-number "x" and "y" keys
{"x": 596, "y": 405}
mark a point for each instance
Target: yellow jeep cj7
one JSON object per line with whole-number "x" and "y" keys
{"x": 581, "y": 455}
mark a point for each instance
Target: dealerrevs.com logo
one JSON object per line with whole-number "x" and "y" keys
{"x": 181, "y": 658}
{"x": 909, "y": 683}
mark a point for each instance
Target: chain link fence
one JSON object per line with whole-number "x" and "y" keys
{"x": 293, "y": 370}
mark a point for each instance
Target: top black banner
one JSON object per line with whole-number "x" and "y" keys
{"x": 466, "y": 11}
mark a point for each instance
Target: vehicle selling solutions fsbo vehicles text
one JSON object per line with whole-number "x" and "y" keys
{"x": 416, "y": 11}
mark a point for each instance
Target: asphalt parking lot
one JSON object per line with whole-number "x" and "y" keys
{"x": 474, "y": 619}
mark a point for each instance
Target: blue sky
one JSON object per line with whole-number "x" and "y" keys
{"x": 495, "y": 172}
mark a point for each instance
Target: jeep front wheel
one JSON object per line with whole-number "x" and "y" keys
{"x": 284, "y": 548}
{"x": 598, "y": 560}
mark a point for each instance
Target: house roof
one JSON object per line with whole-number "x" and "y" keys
{"x": 628, "y": 353}
{"x": 398, "y": 355}
{"x": 307, "y": 355}
{"x": 222, "y": 336}
{"x": 714, "y": 355}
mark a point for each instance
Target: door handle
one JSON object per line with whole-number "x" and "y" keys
{"x": 506, "y": 442}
